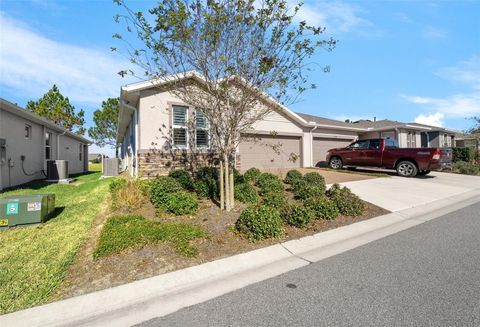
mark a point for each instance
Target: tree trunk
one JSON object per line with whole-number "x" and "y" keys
{"x": 227, "y": 183}
{"x": 232, "y": 194}
{"x": 222, "y": 189}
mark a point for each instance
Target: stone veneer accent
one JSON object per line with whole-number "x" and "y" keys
{"x": 153, "y": 163}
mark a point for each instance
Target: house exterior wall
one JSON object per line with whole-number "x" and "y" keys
{"x": 154, "y": 121}
{"x": 12, "y": 129}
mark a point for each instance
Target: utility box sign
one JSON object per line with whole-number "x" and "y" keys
{"x": 12, "y": 208}
{"x": 34, "y": 206}
{"x": 3, "y": 222}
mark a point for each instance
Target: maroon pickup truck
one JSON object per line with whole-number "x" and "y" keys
{"x": 385, "y": 153}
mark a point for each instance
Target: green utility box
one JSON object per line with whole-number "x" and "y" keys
{"x": 26, "y": 209}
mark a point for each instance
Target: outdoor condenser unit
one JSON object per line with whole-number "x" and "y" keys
{"x": 57, "y": 170}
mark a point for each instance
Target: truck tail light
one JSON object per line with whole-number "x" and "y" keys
{"x": 436, "y": 154}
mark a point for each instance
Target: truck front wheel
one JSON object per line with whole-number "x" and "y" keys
{"x": 335, "y": 163}
{"x": 407, "y": 169}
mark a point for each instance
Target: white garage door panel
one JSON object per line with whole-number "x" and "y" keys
{"x": 270, "y": 152}
{"x": 321, "y": 147}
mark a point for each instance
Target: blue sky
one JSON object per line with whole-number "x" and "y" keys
{"x": 402, "y": 60}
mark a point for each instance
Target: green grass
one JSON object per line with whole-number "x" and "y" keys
{"x": 34, "y": 260}
{"x": 95, "y": 167}
{"x": 123, "y": 232}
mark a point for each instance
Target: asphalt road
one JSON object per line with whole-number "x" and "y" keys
{"x": 428, "y": 275}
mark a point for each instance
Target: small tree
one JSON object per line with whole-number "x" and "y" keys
{"x": 57, "y": 108}
{"x": 239, "y": 49}
{"x": 105, "y": 130}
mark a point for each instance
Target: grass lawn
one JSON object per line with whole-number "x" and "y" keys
{"x": 95, "y": 167}
{"x": 34, "y": 260}
{"x": 122, "y": 232}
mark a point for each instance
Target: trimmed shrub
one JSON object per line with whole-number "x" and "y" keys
{"x": 129, "y": 197}
{"x": 464, "y": 154}
{"x": 209, "y": 175}
{"x": 180, "y": 203}
{"x": 183, "y": 177}
{"x": 314, "y": 178}
{"x": 252, "y": 175}
{"x": 274, "y": 199}
{"x": 204, "y": 173}
{"x": 348, "y": 203}
{"x": 202, "y": 189}
{"x": 466, "y": 168}
{"x": 322, "y": 208}
{"x": 305, "y": 191}
{"x": 259, "y": 222}
{"x": 296, "y": 215}
{"x": 292, "y": 176}
{"x": 162, "y": 187}
{"x": 246, "y": 193}
{"x": 237, "y": 177}
{"x": 270, "y": 183}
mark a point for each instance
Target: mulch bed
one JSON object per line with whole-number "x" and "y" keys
{"x": 88, "y": 275}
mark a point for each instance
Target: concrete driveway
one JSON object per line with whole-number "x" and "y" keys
{"x": 399, "y": 193}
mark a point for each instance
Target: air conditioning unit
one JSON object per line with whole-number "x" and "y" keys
{"x": 57, "y": 171}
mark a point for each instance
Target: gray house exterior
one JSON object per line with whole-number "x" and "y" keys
{"x": 26, "y": 135}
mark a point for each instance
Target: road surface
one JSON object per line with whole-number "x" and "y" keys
{"x": 428, "y": 275}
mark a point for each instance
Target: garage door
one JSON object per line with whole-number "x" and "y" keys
{"x": 322, "y": 145}
{"x": 270, "y": 152}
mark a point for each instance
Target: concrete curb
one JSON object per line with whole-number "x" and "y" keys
{"x": 138, "y": 301}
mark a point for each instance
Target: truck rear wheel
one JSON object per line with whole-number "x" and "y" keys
{"x": 335, "y": 163}
{"x": 407, "y": 169}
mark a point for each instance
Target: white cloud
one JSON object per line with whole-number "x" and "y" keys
{"x": 335, "y": 16}
{"x": 432, "y": 33}
{"x": 30, "y": 63}
{"x": 467, "y": 71}
{"x": 463, "y": 104}
{"x": 435, "y": 119}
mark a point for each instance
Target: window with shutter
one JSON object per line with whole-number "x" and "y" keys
{"x": 202, "y": 133}
{"x": 179, "y": 126}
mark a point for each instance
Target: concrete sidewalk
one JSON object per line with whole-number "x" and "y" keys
{"x": 400, "y": 193}
{"x": 139, "y": 301}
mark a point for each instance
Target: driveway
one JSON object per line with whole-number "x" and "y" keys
{"x": 331, "y": 177}
{"x": 398, "y": 193}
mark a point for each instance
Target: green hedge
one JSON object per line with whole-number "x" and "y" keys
{"x": 348, "y": 204}
{"x": 322, "y": 207}
{"x": 246, "y": 193}
{"x": 259, "y": 222}
{"x": 297, "y": 215}
{"x": 183, "y": 177}
{"x": 292, "y": 176}
{"x": 465, "y": 154}
{"x": 467, "y": 168}
{"x": 252, "y": 175}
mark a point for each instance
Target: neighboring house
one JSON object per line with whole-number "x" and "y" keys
{"x": 95, "y": 157}
{"x": 36, "y": 139}
{"x": 467, "y": 141}
{"x": 155, "y": 134}
{"x": 408, "y": 135}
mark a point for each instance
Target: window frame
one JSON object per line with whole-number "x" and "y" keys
{"x": 185, "y": 127}
{"x": 48, "y": 138}
{"x": 28, "y": 129}
{"x": 206, "y": 128}
{"x": 80, "y": 151}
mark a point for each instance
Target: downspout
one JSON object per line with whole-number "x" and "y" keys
{"x": 135, "y": 115}
{"x": 311, "y": 145}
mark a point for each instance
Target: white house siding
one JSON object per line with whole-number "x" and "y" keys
{"x": 12, "y": 129}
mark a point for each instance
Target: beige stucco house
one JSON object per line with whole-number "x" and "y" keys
{"x": 154, "y": 135}
{"x": 24, "y": 134}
